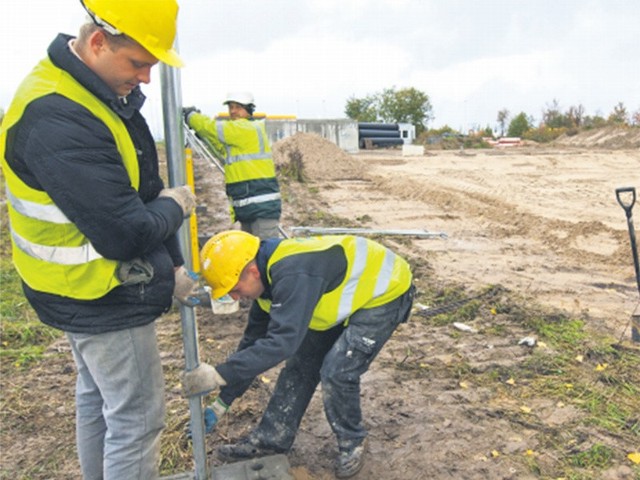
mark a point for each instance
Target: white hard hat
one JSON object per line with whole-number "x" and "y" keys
{"x": 243, "y": 98}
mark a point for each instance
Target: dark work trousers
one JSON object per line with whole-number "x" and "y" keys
{"x": 337, "y": 358}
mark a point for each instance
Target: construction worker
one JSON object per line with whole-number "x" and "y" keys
{"x": 326, "y": 305}
{"x": 93, "y": 228}
{"x": 250, "y": 175}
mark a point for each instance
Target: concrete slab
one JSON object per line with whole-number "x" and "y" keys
{"x": 412, "y": 150}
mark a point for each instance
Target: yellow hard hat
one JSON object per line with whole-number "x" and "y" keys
{"x": 151, "y": 23}
{"x": 223, "y": 258}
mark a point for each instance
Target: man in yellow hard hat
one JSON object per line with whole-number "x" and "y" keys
{"x": 93, "y": 228}
{"x": 326, "y": 305}
{"x": 250, "y": 176}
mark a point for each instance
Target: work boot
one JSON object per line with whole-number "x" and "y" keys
{"x": 245, "y": 449}
{"x": 350, "y": 460}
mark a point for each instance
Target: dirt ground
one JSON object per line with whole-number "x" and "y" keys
{"x": 542, "y": 222}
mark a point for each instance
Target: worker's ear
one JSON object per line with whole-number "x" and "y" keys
{"x": 98, "y": 41}
{"x": 95, "y": 44}
{"x": 252, "y": 269}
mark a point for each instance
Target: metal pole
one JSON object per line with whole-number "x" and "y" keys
{"x": 365, "y": 231}
{"x": 171, "y": 109}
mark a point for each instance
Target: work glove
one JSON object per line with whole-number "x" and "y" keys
{"x": 183, "y": 196}
{"x": 212, "y": 415}
{"x": 201, "y": 380}
{"x": 187, "y": 290}
{"x": 187, "y": 111}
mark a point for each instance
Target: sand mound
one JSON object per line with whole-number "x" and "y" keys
{"x": 321, "y": 159}
{"x": 605, "y": 137}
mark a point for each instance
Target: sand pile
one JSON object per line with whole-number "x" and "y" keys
{"x": 605, "y": 137}
{"x": 320, "y": 159}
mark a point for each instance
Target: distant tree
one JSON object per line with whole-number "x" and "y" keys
{"x": 362, "y": 109}
{"x": 503, "y": 118}
{"x": 407, "y": 105}
{"x": 635, "y": 118}
{"x": 520, "y": 124}
{"x": 553, "y": 117}
{"x": 487, "y": 131}
{"x": 594, "y": 121}
{"x": 575, "y": 116}
{"x": 619, "y": 115}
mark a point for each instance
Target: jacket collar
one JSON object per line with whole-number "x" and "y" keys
{"x": 267, "y": 247}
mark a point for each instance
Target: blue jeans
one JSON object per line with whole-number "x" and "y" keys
{"x": 120, "y": 404}
{"x": 337, "y": 357}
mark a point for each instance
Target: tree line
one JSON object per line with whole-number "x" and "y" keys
{"x": 410, "y": 105}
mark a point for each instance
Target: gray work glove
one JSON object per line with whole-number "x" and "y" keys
{"x": 201, "y": 380}
{"x": 186, "y": 290}
{"x": 183, "y": 196}
{"x": 187, "y": 111}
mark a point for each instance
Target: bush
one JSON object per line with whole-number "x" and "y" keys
{"x": 545, "y": 134}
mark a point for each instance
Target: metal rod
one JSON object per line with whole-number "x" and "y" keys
{"x": 199, "y": 146}
{"x": 171, "y": 109}
{"x": 366, "y": 231}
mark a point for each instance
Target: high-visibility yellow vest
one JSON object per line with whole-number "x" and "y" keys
{"x": 375, "y": 276}
{"x": 49, "y": 252}
{"x": 247, "y": 154}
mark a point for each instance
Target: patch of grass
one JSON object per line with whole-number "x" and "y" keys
{"x": 23, "y": 337}
{"x": 598, "y": 456}
{"x": 294, "y": 169}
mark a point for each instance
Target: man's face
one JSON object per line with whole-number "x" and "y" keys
{"x": 237, "y": 111}
{"x": 122, "y": 68}
{"x": 249, "y": 286}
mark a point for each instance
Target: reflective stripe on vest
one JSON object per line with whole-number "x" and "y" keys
{"x": 248, "y": 153}
{"x": 48, "y": 213}
{"x": 267, "y": 197}
{"x": 60, "y": 255}
{"x": 49, "y": 252}
{"x": 375, "y": 276}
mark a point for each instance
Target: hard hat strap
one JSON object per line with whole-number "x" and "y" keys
{"x": 100, "y": 22}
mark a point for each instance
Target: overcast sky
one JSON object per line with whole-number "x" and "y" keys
{"x": 308, "y": 57}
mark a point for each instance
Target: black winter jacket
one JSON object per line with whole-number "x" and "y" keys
{"x": 60, "y": 147}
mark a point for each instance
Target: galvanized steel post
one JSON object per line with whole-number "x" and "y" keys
{"x": 174, "y": 141}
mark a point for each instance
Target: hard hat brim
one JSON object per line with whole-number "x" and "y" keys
{"x": 170, "y": 57}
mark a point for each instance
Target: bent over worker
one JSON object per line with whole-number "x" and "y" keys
{"x": 250, "y": 176}
{"x": 326, "y": 305}
{"x": 93, "y": 228}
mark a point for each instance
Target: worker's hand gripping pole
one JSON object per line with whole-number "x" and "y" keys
{"x": 174, "y": 140}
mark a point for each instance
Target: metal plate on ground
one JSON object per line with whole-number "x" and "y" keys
{"x": 273, "y": 467}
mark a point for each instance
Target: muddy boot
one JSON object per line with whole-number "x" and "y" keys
{"x": 245, "y": 449}
{"x": 350, "y": 460}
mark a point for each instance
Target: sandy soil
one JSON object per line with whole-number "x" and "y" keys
{"x": 540, "y": 221}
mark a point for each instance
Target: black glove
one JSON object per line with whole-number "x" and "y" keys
{"x": 186, "y": 111}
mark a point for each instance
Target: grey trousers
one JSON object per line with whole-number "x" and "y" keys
{"x": 120, "y": 405}
{"x": 263, "y": 228}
